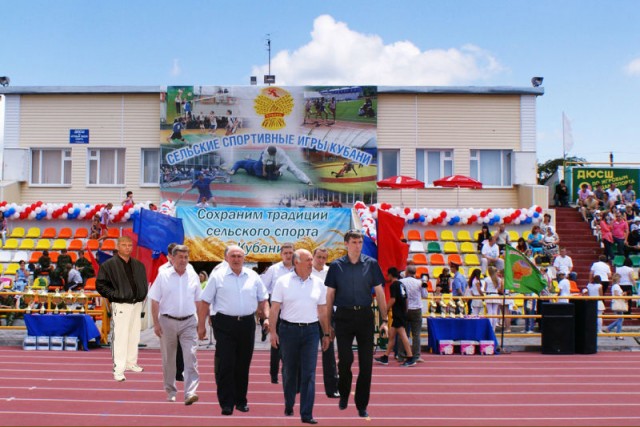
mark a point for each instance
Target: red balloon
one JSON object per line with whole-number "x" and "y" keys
{"x": 517, "y": 213}
{"x": 372, "y": 208}
{"x": 539, "y": 209}
{"x": 473, "y": 218}
{"x": 416, "y": 215}
{"x": 407, "y": 211}
{"x": 443, "y": 214}
{"x": 483, "y": 214}
{"x": 507, "y": 220}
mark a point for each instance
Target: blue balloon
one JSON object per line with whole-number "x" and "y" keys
{"x": 456, "y": 219}
{"x": 422, "y": 218}
{"x": 528, "y": 220}
{"x": 76, "y": 212}
{"x": 451, "y": 221}
{"x": 9, "y": 212}
{"x": 42, "y": 214}
{"x": 536, "y": 214}
{"x": 409, "y": 221}
{"x": 496, "y": 218}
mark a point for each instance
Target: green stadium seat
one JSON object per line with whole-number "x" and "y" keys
{"x": 434, "y": 248}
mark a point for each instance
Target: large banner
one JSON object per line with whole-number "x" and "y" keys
{"x": 605, "y": 176}
{"x": 261, "y": 231}
{"x": 269, "y": 146}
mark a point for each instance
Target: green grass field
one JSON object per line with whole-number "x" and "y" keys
{"x": 348, "y": 111}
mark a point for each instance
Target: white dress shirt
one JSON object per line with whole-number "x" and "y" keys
{"x": 415, "y": 292}
{"x": 234, "y": 294}
{"x": 273, "y": 273}
{"x": 299, "y": 298}
{"x": 320, "y": 274}
{"x": 177, "y": 294}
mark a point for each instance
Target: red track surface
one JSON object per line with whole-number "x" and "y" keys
{"x": 76, "y": 388}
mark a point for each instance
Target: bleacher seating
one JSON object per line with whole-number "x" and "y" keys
{"x": 430, "y": 236}
{"x": 17, "y": 232}
{"x": 20, "y": 256}
{"x": 450, "y": 248}
{"x": 514, "y": 236}
{"x": 43, "y": 244}
{"x": 467, "y": 248}
{"x": 33, "y": 233}
{"x": 81, "y": 233}
{"x": 416, "y": 247}
{"x": 447, "y": 236}
{"x": 413, "y": 235}
{"x": 65, "y": 233}
{"x": 455, "y": 258}
{"x": 27, "y": 244}
{"x": 436, "y": 259}
{"x": 433, "y": 247}
{"x": 471, "y": 259}
{"x": 49, "y": 233}
{"x": 113, "y": 233}
{"x": 108, "y": 245}
{"x": 75, "y": 245}
{"x": 420, "y": 258}
{"x": 59, "y": 244}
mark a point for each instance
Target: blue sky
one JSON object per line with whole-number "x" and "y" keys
{"x": 587, "y": 51}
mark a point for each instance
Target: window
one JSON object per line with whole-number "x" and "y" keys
{"x": 106, "y": 166}
{"x": 150, "y": 166}
{"x": 433, "y": 164}
{"x": 51, "y": 167}
{"x": 491, "y": 167}
{"x": 388, "y": 163}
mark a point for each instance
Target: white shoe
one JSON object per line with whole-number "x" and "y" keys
{"x": 135, "y": 368}
{"x": 171, "y": 398}
{"x": 119, "y": 377}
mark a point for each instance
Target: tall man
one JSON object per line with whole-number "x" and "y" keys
{"x": 415, "y": 292}
{"x": 269, "y": 279}
{"x": 123, "y": 281}
{"x": 350, "y": 280}
{"x": 329, "y": 373}
{"x": 174, "y": 295}
{"x": 235, "y": 292}
{"x": 302, "y": 298}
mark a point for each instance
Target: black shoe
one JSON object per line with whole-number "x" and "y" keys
{"x": 288, "y": 412}
{"x": 333, "y": 395}
{"x": 310, "y": 420}
{"x": 226, "y": 410}
{"x": 363, "y": 413}
{"x": 274, "y": 380}
{"x": 343, "y": 402}
{"x": 242, "y": 408}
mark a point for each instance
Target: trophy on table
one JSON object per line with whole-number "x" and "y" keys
{"x": 57, "y": 298}
{"x": 443, "y": 308}
{"x": 452, "y": 308}
{"x": 461, "y": 307}
{"x": 43, "y": 293}
{"x": 68, "y": 300}
{"x": 81, "y": 297}
{"x": 432, "y": 307}
{"x": 29, "y": 297}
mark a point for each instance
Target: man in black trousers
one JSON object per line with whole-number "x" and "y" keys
{"x": 350, "y": 282}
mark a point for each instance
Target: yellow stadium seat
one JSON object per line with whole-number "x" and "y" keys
{"x": 43, "y": 244}
{"x": 27, "y": 244}
{"x": 17, "y": 232}
{"x": 526, "y": 235}
{"x": 12, "y": 269}
{"x": 467, "y": 248}
{"x": 1, "y": 268}
{"x": 450, "y": 248}
{"x": 65, "y": 233}
{"x": 464, "y": 236}
{"x": 49, "y": 233}
{"x": 418, "y": 258}
{"x": 11, "y": 244}
{"x": 471, "y": 260}
{"x": 437, "y": 271}
{"x": 476, "y": 234}
{"x": 59, "y": 244}
{"x": 514, "y": 236}
{"x": 447, "y": 236}
{"x": 33, "y": 232}
{"x": 413, "y": 235}
{"x": 430, "y": 236}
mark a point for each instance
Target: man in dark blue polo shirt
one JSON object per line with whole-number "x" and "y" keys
{"x": 349, "y": 282}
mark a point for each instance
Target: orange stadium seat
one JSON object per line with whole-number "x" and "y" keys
{"x": 93, "y": 244}
{"x": 454, "y": 258}
{"x": 49, "y": 233}
{"x": 430, "y": 236}
{"x": 75, "y": 245}
{"x": 90, "y": 285}
{"x": 81, "y": 233}
{"x": 420, "y": 258}
{"x": 35, "y": 256}
{"x": 421, "y": 270}
{"x": 436, "y": 259}
{"x": 113, "y": 233}
{"x": 54, "y": 256}
{"x": 108, "y": 245}
{"x": 413, "y": 235}
{"x": 65, "y": 233}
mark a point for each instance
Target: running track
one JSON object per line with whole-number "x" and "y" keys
{"x": 524, "y": 389}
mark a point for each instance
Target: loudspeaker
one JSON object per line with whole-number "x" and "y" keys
{"x": 558, "y": 328}
{"x": 586, "y": 326}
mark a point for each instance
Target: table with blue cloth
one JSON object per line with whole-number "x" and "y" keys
{"x": 60, "y": 325}
{"x": 476, "y": 329}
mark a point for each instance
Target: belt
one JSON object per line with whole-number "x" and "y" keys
{"x": 354, "y": 307}
{"x": 178, "y": 318}
{"x": 286, "y": 322}
{"x": 238, "y": 318}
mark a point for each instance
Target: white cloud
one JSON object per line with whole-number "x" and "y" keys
{"x": 175, "y": 68}
{"x": 633, "y": 67}
{"x": 339, "y": 55}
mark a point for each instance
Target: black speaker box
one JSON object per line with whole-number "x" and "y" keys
{"x": 586, "y": 326}
{"x": 558, "y": 328}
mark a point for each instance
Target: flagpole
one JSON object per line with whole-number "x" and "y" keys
{"x": 564, "y": 148}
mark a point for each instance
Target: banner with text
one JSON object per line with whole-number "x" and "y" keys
{"x": 261, "y": 231}
{"x": 621, "y": 177}
{"x": 269, "y": 146}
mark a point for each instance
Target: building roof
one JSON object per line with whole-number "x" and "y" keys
{"x": 23, "y": 90}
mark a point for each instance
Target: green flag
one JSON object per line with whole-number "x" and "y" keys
{"x": 520, "y": 274}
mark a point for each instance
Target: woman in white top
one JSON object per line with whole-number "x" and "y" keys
{"x": 626, "y": 277}
{"x": 493, "y": 286}
{"x": 594, "y": 289}
{"x": 476, "y": 288}
{"x": 616, "y": 291}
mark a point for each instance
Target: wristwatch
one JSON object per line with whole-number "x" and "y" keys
{"x": 326, "y": 335}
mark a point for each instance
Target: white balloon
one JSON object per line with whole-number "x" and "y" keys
{"x": 64, "y": 215}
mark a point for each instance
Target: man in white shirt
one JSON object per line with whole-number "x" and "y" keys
{"x": 601, "y": 268}
{"x": 236, "y": 293}
{"x": 329, "y": 372}
{"x": 269, "y": 279}
{"x": 615, "y": 196}
{"x": 564, "y": 287}
{"x": 491, "y": 255}
{"x": 303, "y": 300}
{"x": 564, "y": 263}
{"x": 502, "y": 237}
{"x": 416, "y": 290}
{"x": 174, "y": 295}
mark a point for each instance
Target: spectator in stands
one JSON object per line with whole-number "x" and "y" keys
{"x": 73, "y": 277}
{"x": 632, "y": 244}
{"x": 128, "y": 201}
{"x": 493, "y": 286}
{"x": 483, "y": 236}
{"x": 594, "y": 289}
{"x": 619, "y": 231}
{"x": 204, "y": 278}
{"x": 4, "y": 228}
{"x": 84, "y": 266}
{"x": 491, "y": 255}
{"x": 23, "y": 275}
{"x": 96, "y": 230}
{"x": 602, "y": 269}
{"x": 616, "y": 291}
{"x": 459, "y": 283}
{"x": 44, "y": 264}
{"x": 535, "y": 241}
{"x": 502, "y": 237}
{"x": 564, "y": 286}
{"x": 589, "y": 207}
{"x": 63, "y": 259}
{"x": 628, "y": 195}
{"x": 546, "y": 222}
{"x": 561, "y": 196}
{"x": 105, "y": 220}
{"x": 615, "y": 197}
{"x": 606, "y": 236}
{"x": 563, "y": 263}
{"x": 583, "y": 193}
{"x": 550, "y": 243}
{"x": 628, "y": 213}
{"x": 523, "y": 247}
{"x": 444, "y": 280}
